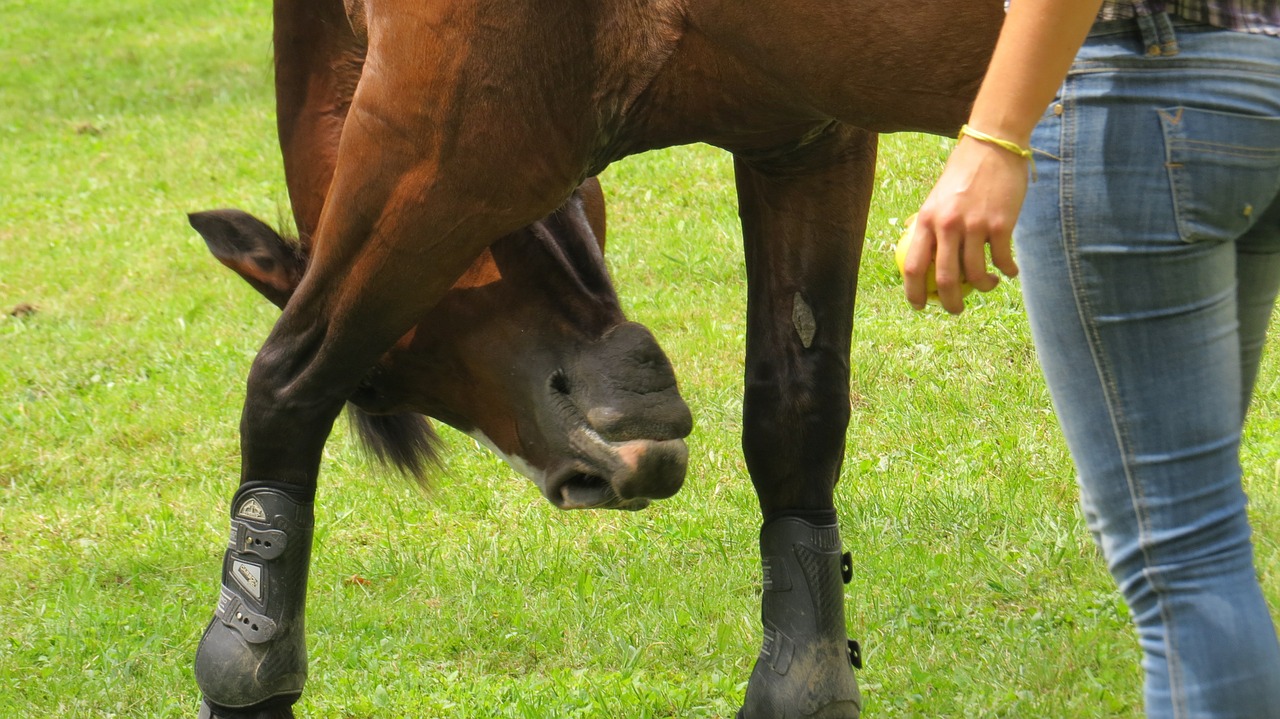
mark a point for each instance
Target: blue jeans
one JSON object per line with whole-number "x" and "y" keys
{"x": 1150, "y": 248}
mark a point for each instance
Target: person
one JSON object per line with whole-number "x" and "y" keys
{"x": 1150, "y": 249}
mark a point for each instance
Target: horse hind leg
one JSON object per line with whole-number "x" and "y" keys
{"x": 804, "y": 218}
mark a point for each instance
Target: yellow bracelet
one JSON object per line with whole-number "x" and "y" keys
{"x": 1013, "y": 147}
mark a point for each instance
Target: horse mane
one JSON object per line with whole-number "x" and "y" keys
{"x": 405, "y": 442}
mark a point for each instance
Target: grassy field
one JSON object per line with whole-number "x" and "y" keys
{"x": 977, "y": 592}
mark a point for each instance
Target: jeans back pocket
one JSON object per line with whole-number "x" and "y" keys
{"x": 1224, "y": 169}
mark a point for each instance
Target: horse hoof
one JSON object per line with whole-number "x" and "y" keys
{"x": 275, "y": 712}
{"x": 805, "y": 667}
{"x": 253, "y": 655}
{"x": 820, "y": 688}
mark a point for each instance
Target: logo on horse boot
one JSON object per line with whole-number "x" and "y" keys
{"x": 252, "y": 509}
{"x": 248, "y": 577}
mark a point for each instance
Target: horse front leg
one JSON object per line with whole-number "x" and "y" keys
{"x": 409, "y": 208}
{"x": 251, "y": 661}
{"x": 804, "y": 218}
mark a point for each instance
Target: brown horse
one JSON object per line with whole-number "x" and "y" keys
{"x": 416, "y": 134}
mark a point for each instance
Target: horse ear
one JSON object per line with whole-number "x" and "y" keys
{"x": 253, "y": 250}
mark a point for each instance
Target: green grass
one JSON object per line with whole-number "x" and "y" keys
{"x": 977, "y": 591}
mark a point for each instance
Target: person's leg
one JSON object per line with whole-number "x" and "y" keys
{"x": 1258, "y": 273}
{"x": 1130, "y": 276}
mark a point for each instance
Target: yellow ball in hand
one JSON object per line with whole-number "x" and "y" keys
{"x": 930, "y": 279}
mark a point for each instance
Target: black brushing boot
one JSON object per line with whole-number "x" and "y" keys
{"x": 252, "y": 659}
{"x": 804, "y": 666}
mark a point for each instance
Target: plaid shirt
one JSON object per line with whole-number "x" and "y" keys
{"x": 1255, "y": 16}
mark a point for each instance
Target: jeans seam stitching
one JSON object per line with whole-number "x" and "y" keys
{"x": 1110, "y": 388}
{"x": 1176, "y": 179}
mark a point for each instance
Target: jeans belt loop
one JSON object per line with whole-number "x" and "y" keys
{"x": 1158, "y": 38}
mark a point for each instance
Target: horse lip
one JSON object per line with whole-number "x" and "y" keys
{"x": 573, "y": 489}
{"x": 603, "y": 473}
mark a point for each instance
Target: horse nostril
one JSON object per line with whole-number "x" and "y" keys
{"x": 560, "y": 382}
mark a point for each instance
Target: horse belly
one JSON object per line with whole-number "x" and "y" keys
{"x": 880, "y": 66}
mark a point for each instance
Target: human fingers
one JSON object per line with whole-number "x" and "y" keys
{"x": 975, "y": 261}
{"x": 1002, "y": 254}
{"x": 916, "y": 264}
{"x": 949, "y": 273}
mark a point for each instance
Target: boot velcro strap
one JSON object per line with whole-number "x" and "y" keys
{"x": 265, "y": 543}
{"x": 254, "y": 627}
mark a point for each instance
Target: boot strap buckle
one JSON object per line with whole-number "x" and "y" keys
{"x": 265, "y": 543}
{"x": 855, "y": 654}
{"x": 254, "y": 627}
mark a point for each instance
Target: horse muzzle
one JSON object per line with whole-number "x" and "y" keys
{"x": 616, "y": 475}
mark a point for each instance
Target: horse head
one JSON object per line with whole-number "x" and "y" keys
{"x": 529, "y": 353}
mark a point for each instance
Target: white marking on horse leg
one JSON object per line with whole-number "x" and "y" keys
{"x": 802, "y": 317}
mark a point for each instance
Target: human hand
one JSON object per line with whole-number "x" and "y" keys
{"x": 975, "y": 203}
